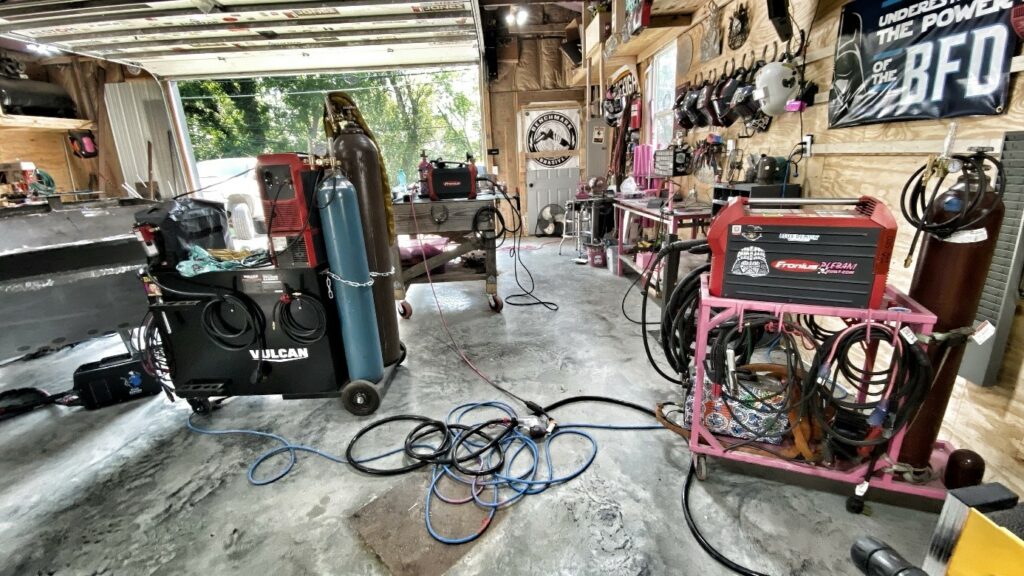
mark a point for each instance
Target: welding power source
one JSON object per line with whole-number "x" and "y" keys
{"x": 826, "y": 252}
{"x": 451, "y": 180}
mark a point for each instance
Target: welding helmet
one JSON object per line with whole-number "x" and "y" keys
{"x": 682, "y": 119}
{"x": 614, "y": 107}
{"x": 777, "y": 83}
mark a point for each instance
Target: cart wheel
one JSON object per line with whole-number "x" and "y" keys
{"x": 702, "y": 468}
{"x": 495, "y": 302}
{"x": 360, "y": 397}
{"x": 200, "y": 405}
{"x": 405, "y": 309}
{"x": 405, "y": 352}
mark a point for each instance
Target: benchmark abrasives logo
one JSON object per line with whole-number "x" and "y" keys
{"x": 280, "y": 354}
{"x": 552, "y": 132}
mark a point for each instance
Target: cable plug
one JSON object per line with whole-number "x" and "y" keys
{"x": 535, "y": 427}
{"x": 878, "y": 414}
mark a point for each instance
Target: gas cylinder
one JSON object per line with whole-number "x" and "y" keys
{"x": 343, "y": 231}
{"x": 359, "y": 158}
{"x": 948, "y": 281}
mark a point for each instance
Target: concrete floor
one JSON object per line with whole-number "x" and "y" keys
{"x": 128, "y": 490}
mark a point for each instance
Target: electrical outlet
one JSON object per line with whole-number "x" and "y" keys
{"x": 808, "y": 141}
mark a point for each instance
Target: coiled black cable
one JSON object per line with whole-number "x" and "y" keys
{"x": 285, "y": 317}
{"x": 918, "y": 206}
{"x": 229, "y": 337}
{"x": 891, "y": 395}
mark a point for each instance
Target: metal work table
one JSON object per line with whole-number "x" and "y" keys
{"x": 468, "y": 224}
{"x": 680, "y": 218}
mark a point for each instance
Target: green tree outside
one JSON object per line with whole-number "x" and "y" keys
{"x": 408, "y": 111}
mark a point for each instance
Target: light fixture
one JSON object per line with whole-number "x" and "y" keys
{"x": 521, "y": 17}
{"x": 510, "y": 16}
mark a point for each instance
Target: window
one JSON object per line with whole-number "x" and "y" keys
{"x": 663, "y": 95}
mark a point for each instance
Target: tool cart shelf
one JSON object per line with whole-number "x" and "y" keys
{"x": 897, "y": 310}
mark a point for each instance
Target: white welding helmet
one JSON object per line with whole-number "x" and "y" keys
{"x": 777, "y": 83}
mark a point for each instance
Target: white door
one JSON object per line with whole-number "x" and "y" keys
{"x": 551, "y": 141}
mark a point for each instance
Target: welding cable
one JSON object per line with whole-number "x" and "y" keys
{"x": 699, "y": 536}
{"x": 672, "y": 248}
{"x": 226, "y": 336}
{"x": 744, "y": 340}
{"x": 892, "y": 395}
{"x": 918, "y": 206}
{"x": 679, "y": 323}
{"x": 285, "y": 318}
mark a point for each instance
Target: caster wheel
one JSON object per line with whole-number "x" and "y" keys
{"x": 360, "y": 398}
{"x": 200, "y": 405}
{"x": 495, "y": 302}
{"x": 405, "y": 353}
{"x": 701, "y": 467}
{"x": 405, "y": 310}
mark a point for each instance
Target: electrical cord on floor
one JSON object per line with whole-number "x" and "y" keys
{"x": 699, "y": 536}
{"x": 481, "y": 455}
{"x": 515, "y": 252}
{"x": 19, "y": 401}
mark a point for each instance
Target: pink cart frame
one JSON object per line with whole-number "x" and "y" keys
{"x": 705, "y": 443}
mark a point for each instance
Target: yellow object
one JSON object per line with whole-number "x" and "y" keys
{"x": 986, "y": 549}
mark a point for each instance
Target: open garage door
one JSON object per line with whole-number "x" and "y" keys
{"x": 176, "y": 39}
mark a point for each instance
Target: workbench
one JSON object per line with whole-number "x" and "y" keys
{"x": 469, "y": 225}
{"x": 693, "y": 218}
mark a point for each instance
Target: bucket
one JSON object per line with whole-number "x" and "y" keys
{"x": 597, "y": 256}
{"x": 613, "y": 258}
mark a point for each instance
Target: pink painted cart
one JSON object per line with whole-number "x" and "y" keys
{"x": 714, "y": 311}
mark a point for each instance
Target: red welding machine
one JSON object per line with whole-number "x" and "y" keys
{"x": 826, "y": 252}
{"x": 288, "y": 184}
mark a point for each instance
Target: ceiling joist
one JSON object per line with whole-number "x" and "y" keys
{"x": 124, "y": 47}
{"x": 46, "y": 18}
{"x": 419, "y": 19}
{"x": 295, "y": 46}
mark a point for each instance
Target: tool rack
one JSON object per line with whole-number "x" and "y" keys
{"x": 897, "y": 309}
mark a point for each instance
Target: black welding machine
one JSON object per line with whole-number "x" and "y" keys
{"x": 826, "y": 252}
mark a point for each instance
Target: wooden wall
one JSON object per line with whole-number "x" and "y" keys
{"x": 530, "y": 71}
{"x": 877, "y": 160}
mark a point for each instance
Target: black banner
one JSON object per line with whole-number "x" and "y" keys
{"x": 916, "y": 59}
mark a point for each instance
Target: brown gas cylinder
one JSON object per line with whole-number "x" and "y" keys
{"x": 949, "y": 278}
{"x": 359, "y": 158}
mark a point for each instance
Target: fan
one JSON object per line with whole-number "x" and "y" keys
{"x": 550, "y": 221}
